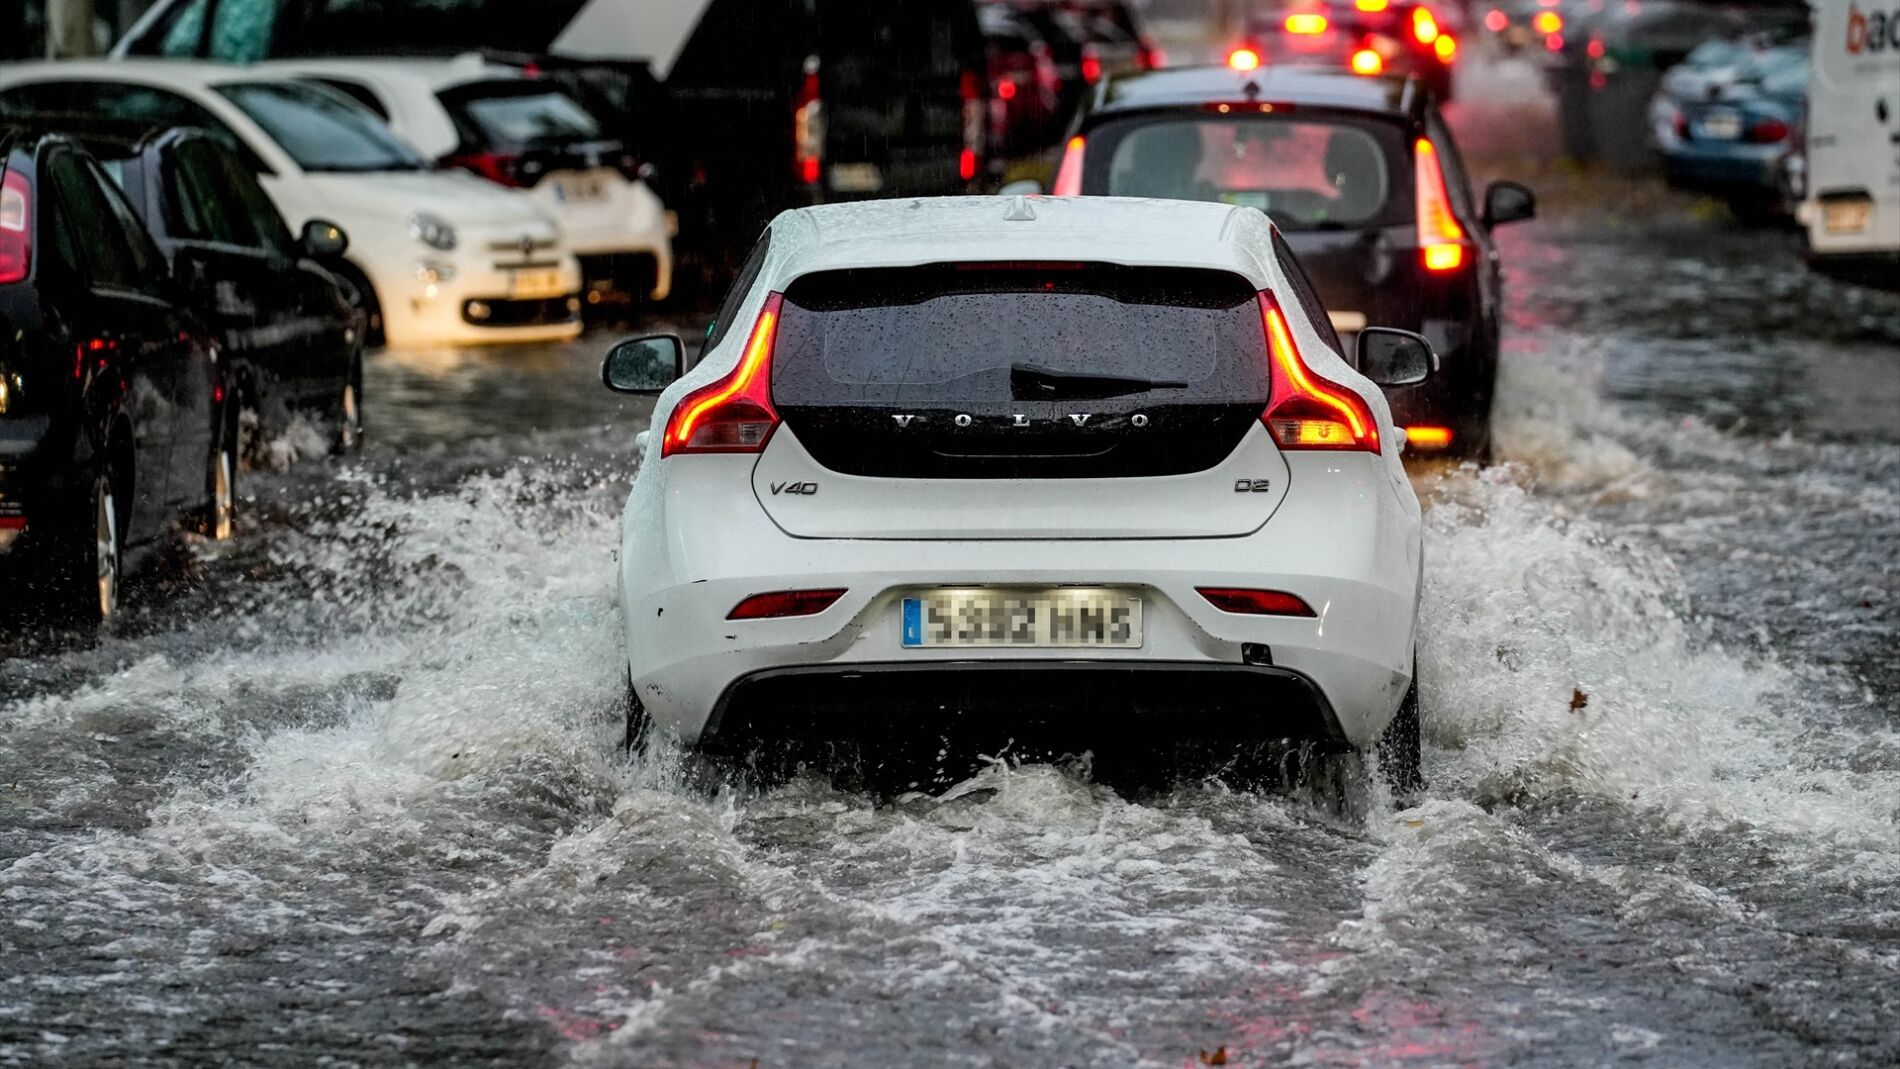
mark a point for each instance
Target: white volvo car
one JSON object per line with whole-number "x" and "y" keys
{"x": 524, "y": 133}
{"x": 446, "y": 258}
{"x": 971, "y": 465}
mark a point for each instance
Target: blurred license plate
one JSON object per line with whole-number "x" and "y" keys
{"x": 857, "y": 178}
{"x": 1055, "y": 617}
{"x": 1720, "y": 125}
{"x": 535, "y": 283}
{"x": 1846, "y": 216}
{"x": 579, "y": 189}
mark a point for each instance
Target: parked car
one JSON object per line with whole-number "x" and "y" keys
{"x": 1119, "y": 491}
{"x": 1363, "y": 181}
{"x": 1396, "y": 37}
{"x": 1851, "y": 174}
{"x": 1025, "y": 87}
{"x": 439, "y": 258}
{"x": 746, "y": 106}
{"x": 289, "y": 333}
{"x": 524, "y": 133}
{"x": 115, "y": 418}
{"x": 1732, "y": 139}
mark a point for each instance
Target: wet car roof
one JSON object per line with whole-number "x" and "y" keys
{"x": 1277, "y": 85}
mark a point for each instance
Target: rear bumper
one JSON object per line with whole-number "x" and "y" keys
{"x": 1736, "y": 169}
{"x": 1875, "y": 270}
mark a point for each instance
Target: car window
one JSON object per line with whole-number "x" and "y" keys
{"x": 258, "y": 209}
{"x": 1305, "y": 174}
{"x": 504, "y": 116}
{"x": 1456, "y": 181}
{"x": 241, "y": 30}
{"x": 124, "y": 100}
{"x": 356, "y": 91}
{"x": 180, "y": 34}
{"x": 197, "y": 202}
{"x": 322, "y": 131}
{"x": 735, "y": 297}
{"x": 98, "y": 231}
{"x": 1304, "y": 292}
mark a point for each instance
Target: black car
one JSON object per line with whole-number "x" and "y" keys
{"x": 114, "y": 413}
{"x": 1365, "y": 182}
{"x": 290, "y": 332}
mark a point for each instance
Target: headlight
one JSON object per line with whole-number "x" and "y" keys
{"x": 432, "y": 230}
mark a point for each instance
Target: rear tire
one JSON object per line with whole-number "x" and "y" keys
{"x": 349, "y": 416}
{"x": 220, "y": 515}
{"x": 1399, "y": 749}
{"x": 88, "y": 560}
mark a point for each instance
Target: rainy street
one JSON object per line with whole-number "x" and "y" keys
{"x": 347, "y": 789}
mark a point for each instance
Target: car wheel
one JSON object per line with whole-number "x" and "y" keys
{"x": 639, "y": 724}
{"x": 220, "y": 516}
{"x": 1399, "y": 748}
{"x": 349, "y": 418}
{"x": 108, "y": 546}
{"x": 88, "y": 567}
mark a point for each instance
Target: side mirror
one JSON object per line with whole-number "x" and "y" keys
{"x": 323, "y": 239}
{"x": 644, "y": 365}
{"x": 1394, "y": 357}
{"x": 1508, "y": 202}
{"x": 1022, "y": 187}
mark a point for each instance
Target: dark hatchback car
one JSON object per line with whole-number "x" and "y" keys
{"x": 290, "y": 333}
{"x": 114, "y": 414}
{"x": 1363, "y": 179}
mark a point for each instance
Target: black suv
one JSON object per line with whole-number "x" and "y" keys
{"x": 114, "y": 415}
{"x": 1363, "y": 179}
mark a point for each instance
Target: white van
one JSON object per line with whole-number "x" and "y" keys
{"x": 1852, "y": 205}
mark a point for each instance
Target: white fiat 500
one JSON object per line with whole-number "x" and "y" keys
{"x": 975, "y": 465}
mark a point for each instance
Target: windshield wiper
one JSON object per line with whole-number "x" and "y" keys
{"x": 1029, "y": 381}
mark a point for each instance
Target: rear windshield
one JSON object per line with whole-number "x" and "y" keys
{"x": 973, "y": 333}
{"x": 519, "y": 115}
{"x": 1307, "y": 173}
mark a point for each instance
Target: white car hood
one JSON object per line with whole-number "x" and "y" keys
{"x": 455, "y": 197}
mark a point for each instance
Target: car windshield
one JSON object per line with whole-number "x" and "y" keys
{"x": 512, "y": 118}
{"x": 1305, "y": 174}
{"x": 320, "y": 130}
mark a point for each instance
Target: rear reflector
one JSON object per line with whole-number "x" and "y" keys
{"x": 782, "y": 603}
{"x": 1428, "y": 437}
{"x": 1255, "y": 602}
{"x": 735, "y": 414}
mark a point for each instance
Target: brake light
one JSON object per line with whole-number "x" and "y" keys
{"x": 498, "y": 167}
{"x": 1255, "y": 602}
{"x": 1428, "y": 437}
{"x": 1306, "y": 25}
{"x": 1547, "y": 22}
{"x": 1554, "y": 42}
{"x": 16, "y": 227}
{"x": 735, "y": 414}
{"x": 1069, "y": 175}
{"x": 1374, "y": 6}
{"x": 1445, "y": 47}
{"x": 1150, "y": 56}
{"x": 808, "y": 127}
{"x": 1496, "y": 21}
{"x": 1440, "y": 238}
{"x": 1091, "y": 64}
{"x": 1243, "y": 59}
{"x": 1767, "y": 131}
{"x": 973, "y": 118}
{"x": 1366, "y": 61}
{"x": 1305, "y": 411}
{"x": 1595, "y": 48}
{"x": 783, "y": 603}
{"x": 1006, "y": 89}
{"x": 1424, "y": 26}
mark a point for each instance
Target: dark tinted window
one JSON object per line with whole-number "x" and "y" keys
{"x": 321, "y": 130}
{"x": 97, "y": 232}
{"x": 512, "y": 115}
{"x": 198, "y": 205}
{"x": 249, "y": 198}
{"x": 1304, "y": 293}
{"x": 358, "y": 92}
{"x": 729, "y": 308}
{"x": 963, "y": 333}
{"x": 1307, "y": 174}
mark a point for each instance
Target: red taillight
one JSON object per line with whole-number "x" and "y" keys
{"x": 1306, "y": 25}
{"x": 1441, "y": 240}
{"x": 1767, "y": 131}
{"x": 1424, "y": 26}
{"x": 1091, "y": 64}
{"x": 781, "y": 603}
{"x": 1006, "y": 89}
{"x": 1151, "y": 57}
{"x": 1069, "y": 175}
{"x": 1243, "y": 59}
{"x": 1255, "y": 602}
{"x": 808, "y": 127}
{"x": 735, "y": 414}
{"x": 1445, "y": 47}
{"x": 1595, "y": 48}
{"x": 16, "y": 227}
{"x": 497, "y": 167}
{"x": 974, "y": 109}
{"x": 1496, "y": 21}
{"x": 1305, "y": 411}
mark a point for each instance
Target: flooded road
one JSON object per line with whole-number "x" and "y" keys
{"x": 345, "y": 790}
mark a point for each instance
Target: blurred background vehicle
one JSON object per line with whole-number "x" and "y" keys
{"x": 1025, "y": 86}
{"x": 1362, "y": 177}
{"x": 440, "y": 258}
{"x": 524, "y": 133}
{"x": 114, "y": 414}
{"x": 1851, "y": 167}
{"x": 1400, "y": 37}
{"x": 1730, "y": 134}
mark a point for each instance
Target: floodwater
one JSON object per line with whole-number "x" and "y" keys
{"x": 345, "y": 790}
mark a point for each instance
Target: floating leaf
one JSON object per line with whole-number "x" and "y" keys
{"x": 1219, "y": 1057}
{"x": 1578, "y": 699}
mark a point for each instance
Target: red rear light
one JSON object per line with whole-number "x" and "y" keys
{"x": 495, "y": 166}
{"x": 780, "y": 603}
{"x": 1424, "y": 26}
{"x": 1091, "y": 64}
{"x": 1305, "y": 411}
{"x": 1243, "y": 59}
{"x": 1496, "y": 21}
{"x": 808, "y": 127}
{"x": 1151, "y": 57}
{"x": 1767, "y": 131}
{"x": 1006, "y": 89}
{"x": 1307, "y": 25}
{"x": 16, "y": 227}
{"x": 735, "y": 414}
{"x": 974, "y": 113}
{"x": 1069, "y": 175}
{"x": 1255, "y": 602}
{"x": 1441, "y": 240}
